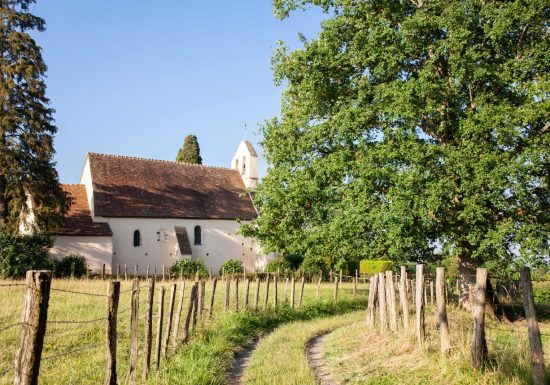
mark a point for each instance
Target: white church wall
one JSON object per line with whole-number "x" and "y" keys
{"x": 86, "y": 180}
{"x": 97, "y": 250}
{"x": 219, "y": 243}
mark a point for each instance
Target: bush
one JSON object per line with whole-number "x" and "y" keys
{"x": 232, "y": 266}
{"x": 373, "y": 267}
{"x": 279, "y": 265}
{"x": 64, "y": 267}
{"x": 295, "y": 260}
{"x": 189, "y": 268}
{"x": 314, "y": 265}
{"x": 25, "y": 252}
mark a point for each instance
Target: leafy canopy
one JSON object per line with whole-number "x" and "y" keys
{"x": 409, "y": 126}
{"x": 190, "y": 152}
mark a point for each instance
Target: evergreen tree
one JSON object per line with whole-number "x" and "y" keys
{"x": 190, "y": 152}
{"x": 26, "y": 125}
{"x": 408, "y": 126}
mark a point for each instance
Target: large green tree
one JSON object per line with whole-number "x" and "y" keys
{"x": 408, "y": 127}
{"x": 190, "y": 152}
{"x": 26, "y": 125}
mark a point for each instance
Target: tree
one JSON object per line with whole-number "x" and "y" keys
{"x": 27, "y": 171}
{"x": 190, "y": 152}
{"x": 412, "y": 131}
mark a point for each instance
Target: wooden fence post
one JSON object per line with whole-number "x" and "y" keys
{"x": 319, "y": 284}
{"x": 236, "y": 293}
{"x": 275, "y": 291}
{"x": 118, "y": 272}
{"x": 479, "y": 344}
{"x": 134, "y": 331}
{"x": 227, "y": 293}
{"x": 301, "y": 292}
{"x": 431, "y": 292}
{"x": 203, "y": 293}
{"x": 188, "y": 315}
{"x": 537, "y": 355}
{"x": 285, "y": 297}
{"x": 257, "y": 294}
{"x": 103, "y": 271}
{"x": 147, "y": 272}
{"x": 266, "y": 291}
{"x": 212, "y": 296}
{"x": 160, "y": 317}
{"x": 382, "y": 301}
{"x": 373, "y": 286}
{"x": 246, "y": 292}
{"x": 195, "y": 306}
{"x": 33, "y": 327}
{"x": 169, "y": 317}
{"x": 178, "y": 315}
{"x": 335, "y": 289}
{"x": 292, "y": 291}
{"x": 390, "y": 299}
{"x": 125, "y": 272}
{"x": 163, "y": 273}
{"x": 420, "y": 320}
{"x": 136, "y": 271}
{"x": 442, "y": 311}
{"x": 403, "y": 297}
{"x": 148, "y": 329}
{"x": 110, "y": 377}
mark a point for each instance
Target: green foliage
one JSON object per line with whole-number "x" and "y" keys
{"x": 21, "y": 253}
{"x": 232, "y": 266}
{"x": 281, "y": 265}
{"x": 316, "y": 264}
{"x": 190, "y": 152}
{"x": 189, "y": 268}
{"x": 406, "y": 128}
{"x": 26, "y": 125}
{"x": 373, "y": 267}
{"x": 71, "y": 264}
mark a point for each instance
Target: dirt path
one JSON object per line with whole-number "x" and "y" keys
{"x": 236, "y": 371}
{"x": 314, "y": 351}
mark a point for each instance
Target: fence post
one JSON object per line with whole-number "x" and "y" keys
{"x": 148, "y": 328}
{"x": 133, "y": 331}
{"x": 103, "y": 271}
{"x": 125, "y": 272}
{"x": 420, "y": 320}
{"x": 147, "y": 272}
{"x": 212, "y": 296}
{"x": 403, "y": 297}
{"x": 163, "y": 273}
{"x": 275, "y": 293}
{"x": 335, "y": 289}
{"x": 178, "y": 315}
{"x": 266, "y": 291}
{"x": 195, "y": 306}
{"x": 432, "y": 291}
{"x": 227, "y": 293}
{"x": 479, "y": 344}
{"x": 136, "y": 271}
{"x": 319, "y": 284}
{"x": 382, "y": 301}
{"x": 373, "y": 285}
{"x": 390, "y": 298}
{"x": 185, "y": 334}
{"x": 246, "y": 292}
{"x": 537, "y": 355}
{"x": 117, "y": 272}
{"x": 236, "y": 293}
{"x": 112, "y": 308}
{"x": 285, "y": 297}
{"x": 33, "y": 327}
{"x": 160, "y": 317}
{"x": 301, "y": 292}
{"x": 442, "y": 310}
{"x": 169, "y": 317}
{"x": 203, "y": 293}
{"x": 257, "y": 294}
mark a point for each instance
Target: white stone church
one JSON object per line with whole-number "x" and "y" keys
{"x": 134, "y": 211}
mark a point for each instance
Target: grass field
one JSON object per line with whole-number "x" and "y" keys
{"x": 75, "y": 352}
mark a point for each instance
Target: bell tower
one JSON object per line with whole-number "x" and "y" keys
{"x": 245, "y": 161}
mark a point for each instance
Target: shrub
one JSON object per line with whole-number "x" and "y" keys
{"x": 315, "y": 265}
{"x": 189, "y": 268}
{"x": 295, "y": 260}
{"x": 25, "y": 252}
{"x": 279, "y": 265}
{"x": 64, "y": 267}
{"x": 373, "y": 267}
{"x": 232, "y": 266}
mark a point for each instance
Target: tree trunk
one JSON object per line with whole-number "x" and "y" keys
{"x": 467, "y": 280}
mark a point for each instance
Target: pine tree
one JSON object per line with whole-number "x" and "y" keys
{"x": 190, "y": 152}
{"x": 26, "y": 125}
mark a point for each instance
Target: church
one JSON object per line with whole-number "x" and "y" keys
{"x": 135, "y": 211}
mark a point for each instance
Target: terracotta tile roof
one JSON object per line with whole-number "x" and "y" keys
{"x": 78, "y": 220}
{"x": 183, "y": 241}
{"x": 136, "y": 187}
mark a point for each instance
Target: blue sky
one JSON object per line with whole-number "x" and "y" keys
{"x": 133, "y": 77}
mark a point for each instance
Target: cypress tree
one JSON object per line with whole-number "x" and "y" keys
{"x": 190, "y": 152}
{"x": 27, "y": 127}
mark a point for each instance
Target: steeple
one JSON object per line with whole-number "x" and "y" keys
{"x": 245, "y": 161}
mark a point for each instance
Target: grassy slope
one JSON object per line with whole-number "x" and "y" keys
{"x": 280, "y": 357}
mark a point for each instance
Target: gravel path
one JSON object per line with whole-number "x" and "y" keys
{"x": 315, "y": 355}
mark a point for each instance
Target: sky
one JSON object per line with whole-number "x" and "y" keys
{"x": 134, "y": 77}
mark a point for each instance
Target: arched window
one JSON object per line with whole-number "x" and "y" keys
{"x": 198, "y": 235}
{"x": 137, "y": 238}
{"x": 244, "y": 165}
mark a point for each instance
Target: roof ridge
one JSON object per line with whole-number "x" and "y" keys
{"x": 161, "y": 161}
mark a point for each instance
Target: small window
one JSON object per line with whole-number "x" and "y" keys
{"x": 244, "y": 165}
{"x": 137, "y": 238}
{"x": 198, "y": 235}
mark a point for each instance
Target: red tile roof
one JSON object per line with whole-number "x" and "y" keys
{"x": 78, "y": 220}
{"x": 136, "y": 187}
